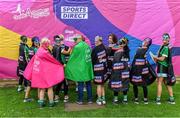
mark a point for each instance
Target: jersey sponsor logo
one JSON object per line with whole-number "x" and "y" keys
{"x": 140, "y": 62}
{"x": 118, "y": 66}
{"x": 137, "y": 79}
{"x": 116, "y": 84}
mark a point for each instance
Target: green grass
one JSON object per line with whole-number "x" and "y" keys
{"x": 11, "y": 105}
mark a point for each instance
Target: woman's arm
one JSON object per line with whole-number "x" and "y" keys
{"x": 159, "y": 58}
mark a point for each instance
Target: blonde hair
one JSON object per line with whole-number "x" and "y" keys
{"x": 78, "y": 36}
{"x": 99, "y": 38}
{"x": 45, "y": 40}
{"x": 61, "y": 36}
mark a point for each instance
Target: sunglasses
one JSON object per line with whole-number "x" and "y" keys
{"x": 166, "y": 37}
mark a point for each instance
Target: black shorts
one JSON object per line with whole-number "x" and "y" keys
{"x": 162, "y": 70}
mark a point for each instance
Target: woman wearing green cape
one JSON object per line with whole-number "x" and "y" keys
{"x": 79, "y": 68}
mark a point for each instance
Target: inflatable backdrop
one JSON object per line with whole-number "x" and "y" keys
{"x": 134, "y": 19}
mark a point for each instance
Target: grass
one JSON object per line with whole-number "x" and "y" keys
{"x": 11, "y": 105}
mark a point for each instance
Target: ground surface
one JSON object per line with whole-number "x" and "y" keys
{"x": 11, "y": 105}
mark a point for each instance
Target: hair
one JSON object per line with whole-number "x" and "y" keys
{"x": 149, "y": 40}
{"x": 61, "y": 36}
{"x": 125, "y": 40}
{"x": 78, "y": 36}
{"x": 45, "y": 40}
{"x": 114, "y": 37}
{"x": 99, "y": 38}
{"x": 83, "y": 38}
{"x": 34, "y": 39}
{"x": 23, "y": 38}
{"x": 55, "y": 37}
{"x": 166, "y": 35}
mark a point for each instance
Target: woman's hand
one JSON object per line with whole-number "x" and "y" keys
{"x": 64, "y": 65}
{"x": 155, "y": 59}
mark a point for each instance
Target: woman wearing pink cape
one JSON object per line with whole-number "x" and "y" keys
{"x": 44, "y": 72}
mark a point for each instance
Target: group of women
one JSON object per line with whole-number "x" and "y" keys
{"x": 104, "y": 64}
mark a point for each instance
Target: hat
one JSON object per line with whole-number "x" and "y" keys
{"x": 35, "y": 39}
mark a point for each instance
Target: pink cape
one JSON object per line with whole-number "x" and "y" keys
{"x": 43, "y": 70}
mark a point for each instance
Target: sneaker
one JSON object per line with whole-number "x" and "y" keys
{"x": 158, "y": 102}
{"x": 41, "y": 103}
{"x": 19, "y": 88}
{"x": 90, "y": 102}
{"x": 171, "y": 101}
{"x": 103, "y": 102}
{"x": 84, "y": 89}
{"x": 56, "y": 99}
{"x": 76, "y": 89}
{"x": 79, "y": 103}
{"x": 115, "y": 101}
{"x": 51, "y": 104}
{"x": 125, "y": 101}
{"x": 136, "y": 101}
{"x": 98, "y": 102}
{"x": 28, "y": 100}
{"x": 66, "y": 99}
{"x": 146, "y": 101}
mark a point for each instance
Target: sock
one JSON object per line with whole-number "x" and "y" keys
{"x": 158, "y": 98}
{"x": 171, "y": 98}
{"x": 99, "y": 99}
{"x": 51, "y": 101}
{"x": 145, "y": 99}
{"x": 136, "y": 99}
{"x": 125, "y": 97}
{"x": 40, "y": 101}
{"x": 103, "y": 97}
{"x": 115, "y": 98}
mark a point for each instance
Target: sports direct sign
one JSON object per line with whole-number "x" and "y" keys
{"x": 74, "y": 12}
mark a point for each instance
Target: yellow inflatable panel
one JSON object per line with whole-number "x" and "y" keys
{"x": 9, "y": 43}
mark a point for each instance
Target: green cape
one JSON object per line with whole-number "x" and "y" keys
{"x": 79, "y": 67}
